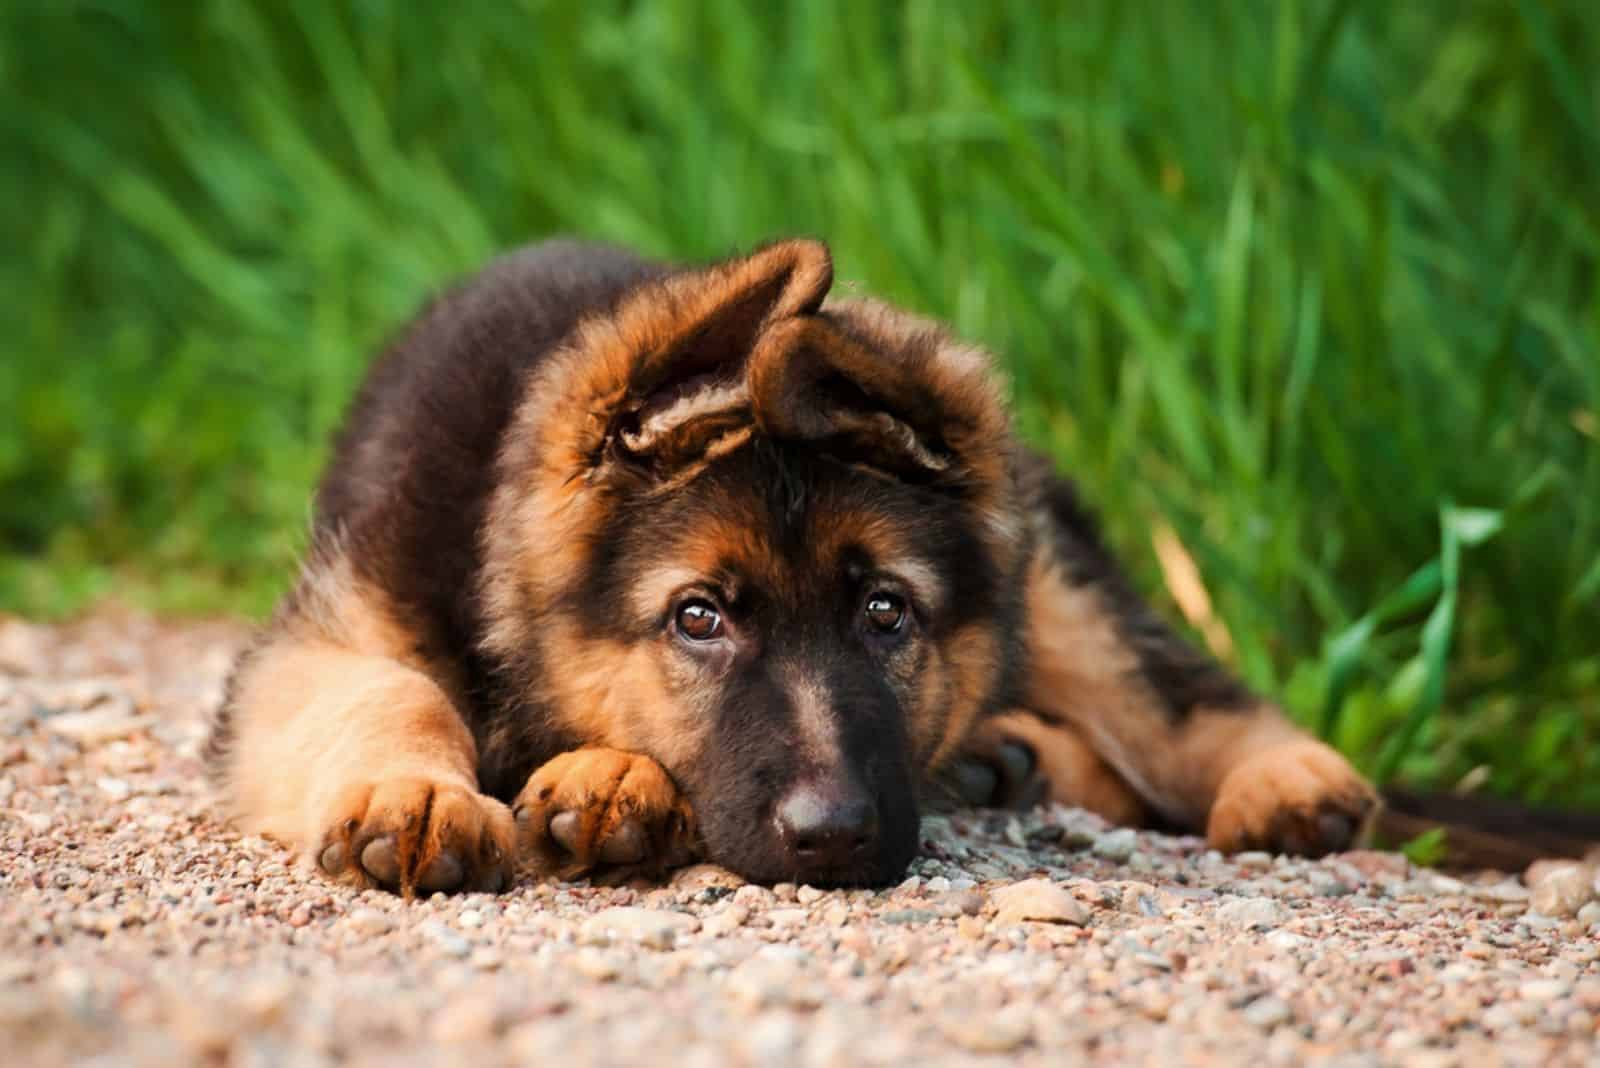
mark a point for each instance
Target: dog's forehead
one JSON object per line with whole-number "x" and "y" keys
{"x": 787, "y": 526}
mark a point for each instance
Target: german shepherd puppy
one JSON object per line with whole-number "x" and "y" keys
{"x": 619, "y": 564}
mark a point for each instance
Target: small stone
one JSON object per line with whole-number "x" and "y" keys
{"x": 653, "y": 928}
{"x": 725, "y": 922}
{"x": 1251, "y": 913}
{"x": 446, "y": 939}
{"x": 1563, "y": 890}
{"x": 470, "y": 919}
{"x": 970, "y": 928}
{"x": 485, "y": 959}
{"x": 1137, "y": 898}
{"x": 1589, "y": 915}
{"x": 808, "y": 895}
{"x": 752, "y": 896}
{"x": 467, "y": 1019}
{"x": 116, "y": 789}
{"x": 1268, "y": 1012}
{"x": 1374, "y": 865}
{"x": 99, "y": 725}
{"x": 1253, "y": 859}
{"x": 997, "y": 1032}
{"x": 938, "y": 885}
{"x": 1038, "y": 900}
{"x": 37, "y": 822}
{"x": 967, "y": 902}
{"x": 761, "y": 982}
{"x": 593, "y": 964}
{"x": 369, "y": 922}
{"x": 1542, "y": 990}
{"x": 704, "y": 876}
{"x": 1116, "y": 846}
{"x": 909, "y": 916}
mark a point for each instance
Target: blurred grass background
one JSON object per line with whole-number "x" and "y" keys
{"x": 1313, "y": 283}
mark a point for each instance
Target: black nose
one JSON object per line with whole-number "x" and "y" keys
{"x": 827, "y": 825}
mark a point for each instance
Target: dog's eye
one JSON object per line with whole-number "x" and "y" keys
{"x": 885, "y": 612}
{"x": 699, "y": 621}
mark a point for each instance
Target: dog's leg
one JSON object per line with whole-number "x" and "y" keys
{"x": 359, "y": 762}
{"x": 604, "y": 811}
{"x": 1191, "y": 742}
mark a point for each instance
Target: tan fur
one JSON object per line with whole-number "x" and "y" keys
{"x": 978, "y": 425}
{"x": 336, "y": 739}
{"x": 551, "y": 499}
{"x": 606, "y": 788}
{"x": 344, "y": 734}
{"x": 1211, "y": 765}
{"x": 967, "y": 665}
{"x": 616, "y": 696}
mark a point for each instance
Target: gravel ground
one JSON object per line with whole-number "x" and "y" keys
{"x": 136, "y": 928}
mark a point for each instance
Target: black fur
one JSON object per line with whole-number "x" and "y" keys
{"x": 406, "y": 497}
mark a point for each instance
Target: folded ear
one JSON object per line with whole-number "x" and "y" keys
{"x": 662, "y": 377}
{"x": 880, "y": 386}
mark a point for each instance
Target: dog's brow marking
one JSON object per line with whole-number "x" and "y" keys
{"x": 922, "y": 577}
{"x": 818, "y": 733}
{"x": 649, "y": 595}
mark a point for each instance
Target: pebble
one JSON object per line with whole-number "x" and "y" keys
{"x": 652, "y": 928}
{"x": 726, "y": 921}
{"x": 999, "y": 1032}
{"x": 97, "y": 726}
{"x": 468, "y": 1019}
{"x": 752, "y": 896}
{"x": 967, "y": 902}
{"x": 1253, "y": 913}
{"x": 1563, "y": 889}
{"x": 601, "y": 967}
{"x": 1037, "y": 900}
{"x": 908, "y": 916}
{"x": 1268, "y": 1012}
{"x": 148, "y": 931}
{"x": 446, "y": 939}
{"x": 1116, "y": 846}
{"x": 1543, "y": 990}
{"x": 369, "y": 922}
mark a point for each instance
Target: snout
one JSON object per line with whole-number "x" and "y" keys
{"x": 827, "y": 825}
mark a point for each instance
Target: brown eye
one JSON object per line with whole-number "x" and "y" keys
{"x": 699, "y": 621}
{"x": 885, "y": 612}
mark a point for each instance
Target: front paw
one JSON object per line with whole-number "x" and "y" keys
{"x": 416, "y": 834}
{"x": 606, "y": 812}
{"x": 1296, "y": 796}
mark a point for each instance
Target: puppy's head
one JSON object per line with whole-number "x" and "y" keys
{"x": 771, "y": 543}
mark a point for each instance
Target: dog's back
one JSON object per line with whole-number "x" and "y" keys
{"x": 411, "y": 472}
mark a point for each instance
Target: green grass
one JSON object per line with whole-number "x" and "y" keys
{"x": 1316, "y": 282}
